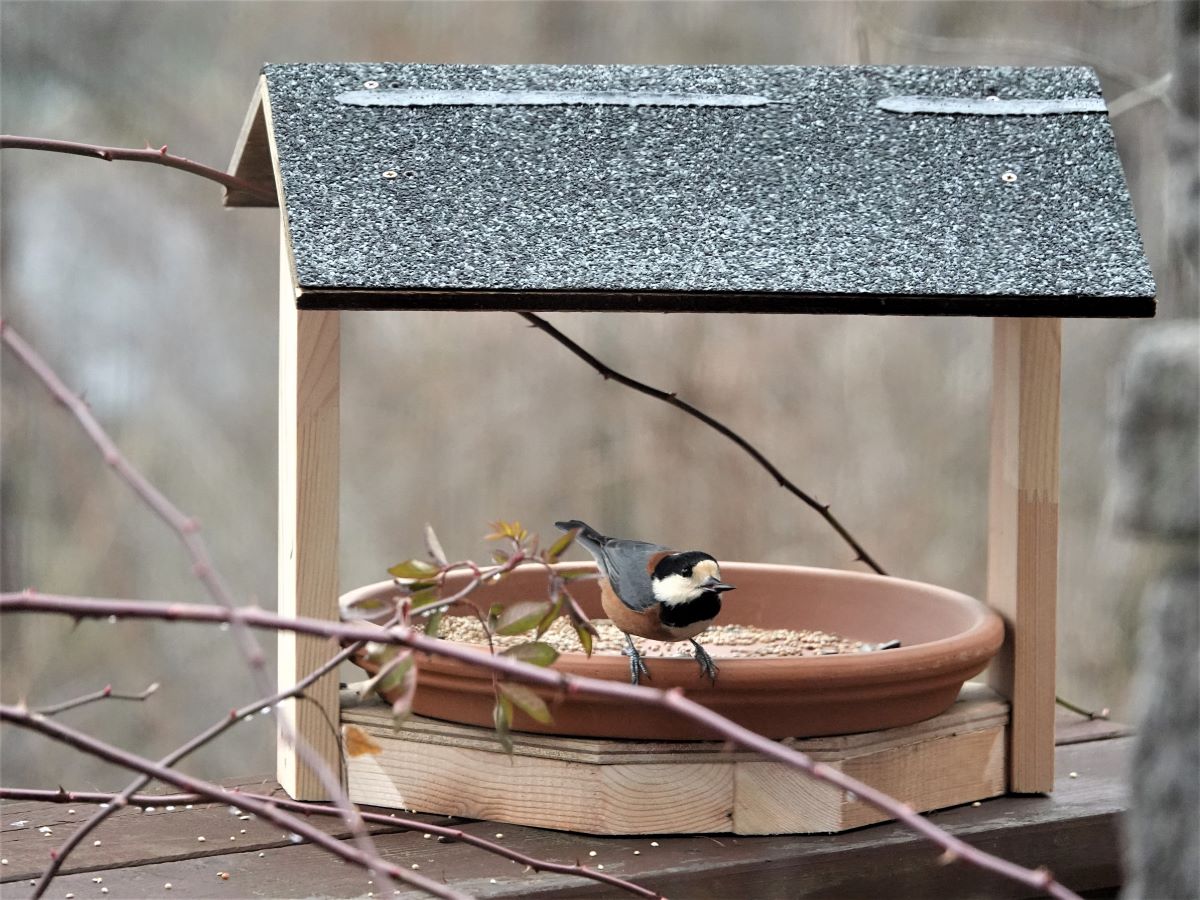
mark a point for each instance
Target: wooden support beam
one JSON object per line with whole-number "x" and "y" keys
{"x": 1023, "y": 537}
{"x": 309, "y": 371}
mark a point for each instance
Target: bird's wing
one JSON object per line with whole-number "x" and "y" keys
{"x": 625, "y": 564}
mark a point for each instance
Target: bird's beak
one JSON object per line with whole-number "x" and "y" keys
{"x": 716, "y": 584}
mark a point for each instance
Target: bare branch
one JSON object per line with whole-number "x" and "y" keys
{"x": 821, "y": 509}
{"x": 105, "y": 693}
{"x": 188, "y": 531}
{"x": 406, "y": 824}
{"x": 953, "y": 848}
{"x": 158, "y": 156}
{"x": 266, "y": 809}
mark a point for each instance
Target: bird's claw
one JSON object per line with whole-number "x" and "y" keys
{"x": 637, "y": 668}
{"x": 707, "y": 666}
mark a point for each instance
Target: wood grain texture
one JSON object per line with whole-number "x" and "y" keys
{"x": 1074, "y": 832}
{"x": 309, "y": 369}
{"x": 1023, "y": 537}
{"x": 639, "y": 787}
{"x": 252, "y": 160}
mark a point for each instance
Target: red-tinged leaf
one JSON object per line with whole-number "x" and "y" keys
{"x": 413, "y": 569}
{"x": 559, "y": 547}
{"x": 502, "y": 716}
{"x": 434, "y": 546}
{"x": 358, "y": 742}
{"x": 537, "y": 653}
{"x": 521, "y": 617}
{"x": 526, "y": 700}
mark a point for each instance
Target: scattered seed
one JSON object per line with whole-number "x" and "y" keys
{"x": 169, "y": 808}
{"x": 148, "y": 809}
{"x": 977, "y": 803}
{"x": 167, "y": 886}
{"x": 722, "y": 641}
{"x": 172, "y": 809}
{"x": 97, "y": 880}
{"x": 242, "y": 831}
{"x": 71, "y": 812}
{"x": 591, "y": 853}
{"x": 1073, "y": 775}
{"x": 233, "y": 837}
{"x": 261, "y": 853}
{"x": 416, "y": 865}
{"x": 599, "y": 865}
{"x": 70, "y": 896}
{"x": 3, "y": 862}
{"x": 499, "y": 834}
{"x": 427, "y": 836}
{"x": 202, "y": 839}
{"x": 95, "y": 843}
{"x": 104, "y": 890}
{"x": 490, "y": 881}
{"x": 224, "y": 876}
{"x": 654, "y": 843}
{"x": 637, "y": 852}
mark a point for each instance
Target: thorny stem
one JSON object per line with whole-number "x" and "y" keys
{"x": 105, "y": 693}
{"x": 452, "y": 834}
{"x": 822, "y": 509}
{"x": 264, "y": 808}
{"x": 156, "y": 155}
{"x": 205, "y": 737}
{"x": 188, "y": 530}
{"x": 953, "y": 847}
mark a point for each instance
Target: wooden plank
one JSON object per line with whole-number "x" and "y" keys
{"x": 309, "y": 452}
{"x": 133, "y": 837}
{"x": 1074, "y": 832}
{"x": 645, "y": 787}
{"x": 1023, "y": 537}
{"x": 252, "y": 155}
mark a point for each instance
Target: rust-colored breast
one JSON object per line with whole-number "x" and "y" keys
{"x": 646, "y": 624}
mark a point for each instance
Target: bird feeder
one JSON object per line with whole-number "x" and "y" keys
{"x": 991, "y": 192}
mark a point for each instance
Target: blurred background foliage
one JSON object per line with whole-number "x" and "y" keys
{"x": 160, "y": 306}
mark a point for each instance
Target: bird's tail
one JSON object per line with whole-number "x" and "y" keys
{"x": 591, "y": 539}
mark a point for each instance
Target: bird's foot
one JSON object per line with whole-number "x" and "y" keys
{"x": 707, "y": 666}
{"x": 637, "y": 668}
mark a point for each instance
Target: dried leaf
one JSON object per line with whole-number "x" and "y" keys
{"x": 559, "y": 547}
{"x": 502, "y": 716}
{"x": 434, "y": 546}
{"x": 524, "y": 698}
{"x": 521, "y": 617}
{"x": 537, "y": 653}
{"x": 358, "y": 742}
{"x": 413, "y": 569}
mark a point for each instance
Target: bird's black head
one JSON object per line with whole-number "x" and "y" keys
{"x": 684, "y": 577}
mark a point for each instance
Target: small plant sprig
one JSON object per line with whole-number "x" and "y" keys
{"x": 421, "y": 593}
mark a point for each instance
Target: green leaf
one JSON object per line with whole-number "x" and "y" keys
{"x": 551, "y": 614}
{"x": 585, "y": 638}
{"x": 524, "y": 698}
{"x": 413, "y": 569}
{"x": 502, "y": 716}
{"x": 499, "y": 557}
{"x": 433, "y": 622}
{"x": 537, "y": 653}
{"x": 425, "y": 596}
{"x": 559, "y": 547}
{"x": 368, "y": 607}
{"x": 575, "y": 576}
{"x": 521, "y": 617}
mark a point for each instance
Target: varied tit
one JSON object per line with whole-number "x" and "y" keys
{"x": 654, "y": 592}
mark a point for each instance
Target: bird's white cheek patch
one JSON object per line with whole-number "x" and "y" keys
{"x": 674, "y": 589}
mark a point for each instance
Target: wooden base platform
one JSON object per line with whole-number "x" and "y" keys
{"x": 637, "y": 787}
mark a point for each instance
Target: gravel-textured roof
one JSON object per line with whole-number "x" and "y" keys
{"x": 779, "y": 188}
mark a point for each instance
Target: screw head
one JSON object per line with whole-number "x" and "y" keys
{"x": 1009, "y": 177}
{"x": 390, "y": 173}
{"x": 370, "y": 85}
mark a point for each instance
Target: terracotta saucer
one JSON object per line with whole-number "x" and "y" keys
{"x": 946, "y": 638}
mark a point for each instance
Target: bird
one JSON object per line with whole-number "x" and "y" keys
{"x": 654, "y": 592}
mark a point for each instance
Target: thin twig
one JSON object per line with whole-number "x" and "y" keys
{"x": 674, "y": 700}
{"x": 188, "y": 531}
{"x": 266, "y": 809}
{"x": 59, "y": 857}
{"x": 402, "y": 823}
{"x": 1079, "y": 710}
{"x": 158, "y": 156}
{"x": 608, "y": 373}
{"x": 105, "y": 693}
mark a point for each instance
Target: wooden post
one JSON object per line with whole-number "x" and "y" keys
{"x": 1023, "y": 537}
{"x": 309, "y": 370}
